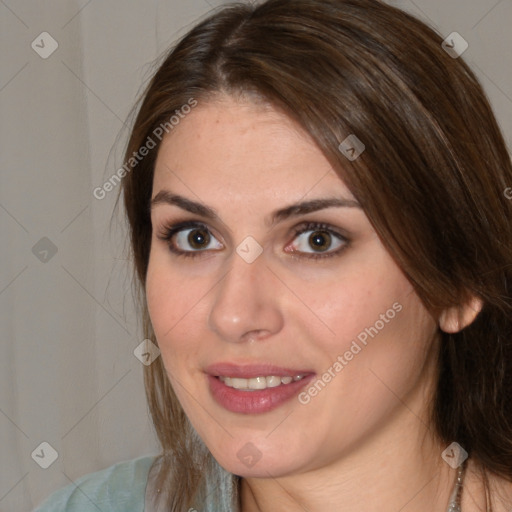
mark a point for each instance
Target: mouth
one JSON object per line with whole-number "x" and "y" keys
{"x": 254, "y": 389}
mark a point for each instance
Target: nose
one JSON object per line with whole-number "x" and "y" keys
{"x": 246, "y": 306}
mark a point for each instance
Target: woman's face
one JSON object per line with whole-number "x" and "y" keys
{"x": 290, "y": 336}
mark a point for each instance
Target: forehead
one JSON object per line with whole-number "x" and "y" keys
{"x": 230, "y": 148}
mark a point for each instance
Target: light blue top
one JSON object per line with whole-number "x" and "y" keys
{"x": 119, "y": 488}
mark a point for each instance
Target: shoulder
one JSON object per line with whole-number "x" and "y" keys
{"x": 119, "y": 488}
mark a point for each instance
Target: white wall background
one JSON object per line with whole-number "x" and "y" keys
{"x": 68, "y": 375}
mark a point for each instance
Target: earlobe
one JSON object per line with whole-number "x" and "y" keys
{"x": 456, "y": 318}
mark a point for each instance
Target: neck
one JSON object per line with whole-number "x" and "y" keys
{"x": 400, "y": 470}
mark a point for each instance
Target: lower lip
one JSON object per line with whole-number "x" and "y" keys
{"x": 257, "y": 401}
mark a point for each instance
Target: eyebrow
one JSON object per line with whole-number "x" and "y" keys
{"x": 302, "y": 208}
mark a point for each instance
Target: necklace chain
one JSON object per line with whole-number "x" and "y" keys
{"x": 455, "y": 499}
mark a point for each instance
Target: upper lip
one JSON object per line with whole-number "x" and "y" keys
{"x": 249, "y": 371}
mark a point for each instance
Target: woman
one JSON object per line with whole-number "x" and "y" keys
{"x": 316, "y": 195}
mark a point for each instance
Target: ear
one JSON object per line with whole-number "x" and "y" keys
{"x": 456, "y": 318}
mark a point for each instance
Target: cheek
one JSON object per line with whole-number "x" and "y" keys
{"x": 372, "y": 366}
{"x": 374, "y": 335}
{"x": 362, "y": 303}
{"x": 172, "y": 302}
{"x": 386, "y": 352}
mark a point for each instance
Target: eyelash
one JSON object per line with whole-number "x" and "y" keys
{"x": 168, "y": 233}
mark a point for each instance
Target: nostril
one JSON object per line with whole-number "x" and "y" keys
{"x": 254, "y": 336}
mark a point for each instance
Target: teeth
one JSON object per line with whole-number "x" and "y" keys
{"x": 273, "y": 382}
{"x": 256, "y": 383}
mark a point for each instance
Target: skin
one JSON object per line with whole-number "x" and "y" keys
{"x": 365, "y": 439}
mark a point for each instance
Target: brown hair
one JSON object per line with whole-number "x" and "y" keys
{"x": 431, "y": 181}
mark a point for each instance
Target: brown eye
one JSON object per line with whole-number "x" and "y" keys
{"x": 198, "y": 238}
{"x": 189, "y": 240}
{"x": 317, "y": 240}
{"x": 320, "y": 241}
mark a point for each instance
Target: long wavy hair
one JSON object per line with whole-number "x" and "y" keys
{"x": 432, "y": 181}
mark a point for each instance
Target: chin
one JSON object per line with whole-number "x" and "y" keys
{"x": 246, "y": 459}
